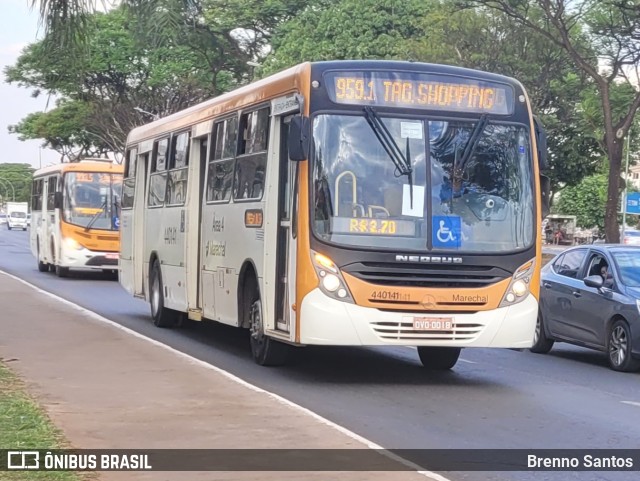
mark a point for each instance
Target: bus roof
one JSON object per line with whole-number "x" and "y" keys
{"x": 288, "y": 81}
{"x": 85, "y": 165}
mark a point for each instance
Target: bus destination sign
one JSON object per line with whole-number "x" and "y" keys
{"x": 422, "y": 91}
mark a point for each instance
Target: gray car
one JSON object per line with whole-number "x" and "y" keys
{"x": 590, "y": 296}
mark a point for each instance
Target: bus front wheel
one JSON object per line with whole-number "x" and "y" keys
{"x": 162, "y": 317}
{"x": 441, "y": 358}
{"x": 265, "y": 350}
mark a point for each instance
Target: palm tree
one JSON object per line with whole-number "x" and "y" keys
{"x": 66, "y": 20}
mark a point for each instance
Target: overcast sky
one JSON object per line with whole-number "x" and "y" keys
{"x": 19, "y": 27}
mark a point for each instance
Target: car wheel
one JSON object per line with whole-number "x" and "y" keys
{"x": 541, "y": 343}
{"x": 265, "y": 350}
{"x": 619, "y": 348}
{"x": 441, "y": 358}
{"x": 162, "y": 317}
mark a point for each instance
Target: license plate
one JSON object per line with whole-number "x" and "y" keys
{"x": 432, "y": 323}
{"x": 112, "y": 256}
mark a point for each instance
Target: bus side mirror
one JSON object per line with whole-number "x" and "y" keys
{"x": 298, "y": 138}
{"x": 541, "y": 141}
{"x": 545, "y": 195}
{"x": 57, "y": 200}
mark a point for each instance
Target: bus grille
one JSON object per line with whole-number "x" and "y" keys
{"x": 421, "y": 275}
{"x": 403, "y": 331}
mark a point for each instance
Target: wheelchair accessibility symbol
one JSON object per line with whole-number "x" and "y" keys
{"x": 447, "y": 231}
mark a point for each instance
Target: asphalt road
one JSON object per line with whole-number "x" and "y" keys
{"x": 492, "y": 399}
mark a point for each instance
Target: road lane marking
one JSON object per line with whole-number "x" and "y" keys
{"x": 234, "y": 378}
{"x": 632, "y": 403}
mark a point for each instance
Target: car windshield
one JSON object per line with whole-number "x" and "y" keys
{"x": 478, "y": 202}
{"x": 18, "y": 215}
{"x": 632, "y": 233}
{"x": 628, "y": 262}
{"x": 89, "y": 198}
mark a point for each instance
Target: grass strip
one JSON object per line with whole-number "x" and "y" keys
{"x": 25, "y": 425}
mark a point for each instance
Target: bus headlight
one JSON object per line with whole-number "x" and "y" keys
{"x": 331, "y": 282}
{"x": 520, "y": 284}
{"x": 71, "y": 243}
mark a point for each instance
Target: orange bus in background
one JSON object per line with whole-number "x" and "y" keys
{"x": 75, "y": 222}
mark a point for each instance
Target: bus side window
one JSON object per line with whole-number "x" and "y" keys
{"x": 158, "y": 178}
{"x": 36, "y": 195}
{"x": 129, "y": 184}
{"x": 252, "y": 155}
{"x": 51, "y": 192}
{"x": 221, "y": 164}
{"x": 178, "y": 173}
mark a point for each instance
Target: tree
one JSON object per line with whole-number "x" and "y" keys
{"x": 586, "y": 201}
{"x": 348, "y": 29}
{"x": 63, "y": 129}
{"x": 113, "y": 79}
{"x": 612, "y": 28}
{"x": 15, "y": 179}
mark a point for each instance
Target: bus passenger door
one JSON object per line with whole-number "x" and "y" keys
{"x": 127, "y": 224}
{"x": 138, "y": 222}
{"x": 280, "y": 272}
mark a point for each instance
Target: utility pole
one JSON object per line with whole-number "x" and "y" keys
{"x": 624, "y": 196}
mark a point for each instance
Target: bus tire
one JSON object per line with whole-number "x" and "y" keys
{"x": 42, "y": 267}
{"x": 440, "y": 358}
{"x": 162, "y": 316}
{"x": 541, "y": 343}
{"x": 265, "y": 350}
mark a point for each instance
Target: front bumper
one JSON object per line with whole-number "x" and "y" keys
{"x": 87, "y": 259}
{"x": 326, "y": 321}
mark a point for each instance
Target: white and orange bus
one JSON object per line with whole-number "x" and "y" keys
{"x": 344, "y": 203}
{"x": 75, "y": 221}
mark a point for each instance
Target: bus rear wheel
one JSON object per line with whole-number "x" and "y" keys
{"x": 162, "y": 316}
{"x": 42, "y": 267}
{"x": 440, "y": 358}
{"x": 265, "y": 350}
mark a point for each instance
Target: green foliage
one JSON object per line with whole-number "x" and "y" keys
{"x": 348, "y": 29}
{"x": 586, "y": 201}
{"x": 15, "y": 178}
{"x": 113, "y": 76}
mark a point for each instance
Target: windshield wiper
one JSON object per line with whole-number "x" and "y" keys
{"x": 399, "y": 159}
{"x": 95, "y": 216}
{"x": 458, "y": 166}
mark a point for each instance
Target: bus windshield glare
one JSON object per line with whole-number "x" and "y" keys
{"x": 89, "y": 196}
{"x": 470, "y": 190}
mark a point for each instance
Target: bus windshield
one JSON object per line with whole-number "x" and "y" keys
{"x": 90, "y": 199}
{"x": 469, "y": 190}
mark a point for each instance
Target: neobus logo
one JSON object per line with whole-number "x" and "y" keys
{"x": 429, "y": 259}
